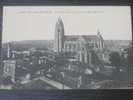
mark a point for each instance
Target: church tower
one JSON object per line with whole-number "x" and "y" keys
{"x": 101, "y": 41}
{"x": 59, "y": 36}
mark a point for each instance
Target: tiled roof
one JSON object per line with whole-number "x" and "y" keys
{"x": 76, "y": 37}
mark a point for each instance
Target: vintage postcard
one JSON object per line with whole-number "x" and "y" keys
{"x": 66, "y": 47}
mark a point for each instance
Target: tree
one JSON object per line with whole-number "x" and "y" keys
{"x": 130, "y": 56}
{"x": 130, "y": 63}
{"x": 115, "y": 59}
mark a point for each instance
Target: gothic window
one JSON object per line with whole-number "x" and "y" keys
{"x": 82, "y": 48}
{"x": 58, "y": 30}
{"x": 69, "y": 47}
{"x": 96, "y": 45}
{"x": 66, "y": 47}
{"x": 7, "y": 69}
{"x": 74, "y": 47}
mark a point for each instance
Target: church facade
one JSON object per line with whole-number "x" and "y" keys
{"x": 79, "y": 44}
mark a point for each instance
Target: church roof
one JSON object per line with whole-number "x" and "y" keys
{"x": 85, "y": 37}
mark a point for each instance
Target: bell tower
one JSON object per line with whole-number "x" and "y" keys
{"x": 101, "y": 41}
{"x": 59, "y": 36}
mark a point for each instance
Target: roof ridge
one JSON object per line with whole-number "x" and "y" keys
{"x": 81, "y": 35}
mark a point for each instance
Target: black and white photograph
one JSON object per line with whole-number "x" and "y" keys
{"x": 66, "y": 47}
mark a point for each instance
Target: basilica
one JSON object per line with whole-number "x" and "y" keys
{"x": 82, "y": 45}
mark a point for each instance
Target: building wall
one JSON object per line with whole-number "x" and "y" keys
{"x": 9, "y": 69}
{"x": 81, "y": 46}
{"x": 71, "y": 46}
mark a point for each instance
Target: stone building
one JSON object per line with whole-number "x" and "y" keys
{"x": 9, "y": 69}
{"x": 79, "y": 44}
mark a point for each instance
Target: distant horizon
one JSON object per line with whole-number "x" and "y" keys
{"x": 53, "y": 40}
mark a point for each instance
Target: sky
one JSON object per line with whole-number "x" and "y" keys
{"x": 38, "y": 22}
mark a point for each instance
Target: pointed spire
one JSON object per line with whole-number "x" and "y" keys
{"x": 60, "y": 20}
{"x": 98, "y": 32}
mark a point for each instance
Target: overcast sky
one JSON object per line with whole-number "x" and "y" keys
{"x": 38, "y": 22}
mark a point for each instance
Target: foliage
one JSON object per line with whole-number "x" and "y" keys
{"x": 115, "y": 59}
{"x": 116, "y": 62}
{"x": 124, "y": 63}
{"x": 130, "y": 64}
{"x": 130, "y": 56}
